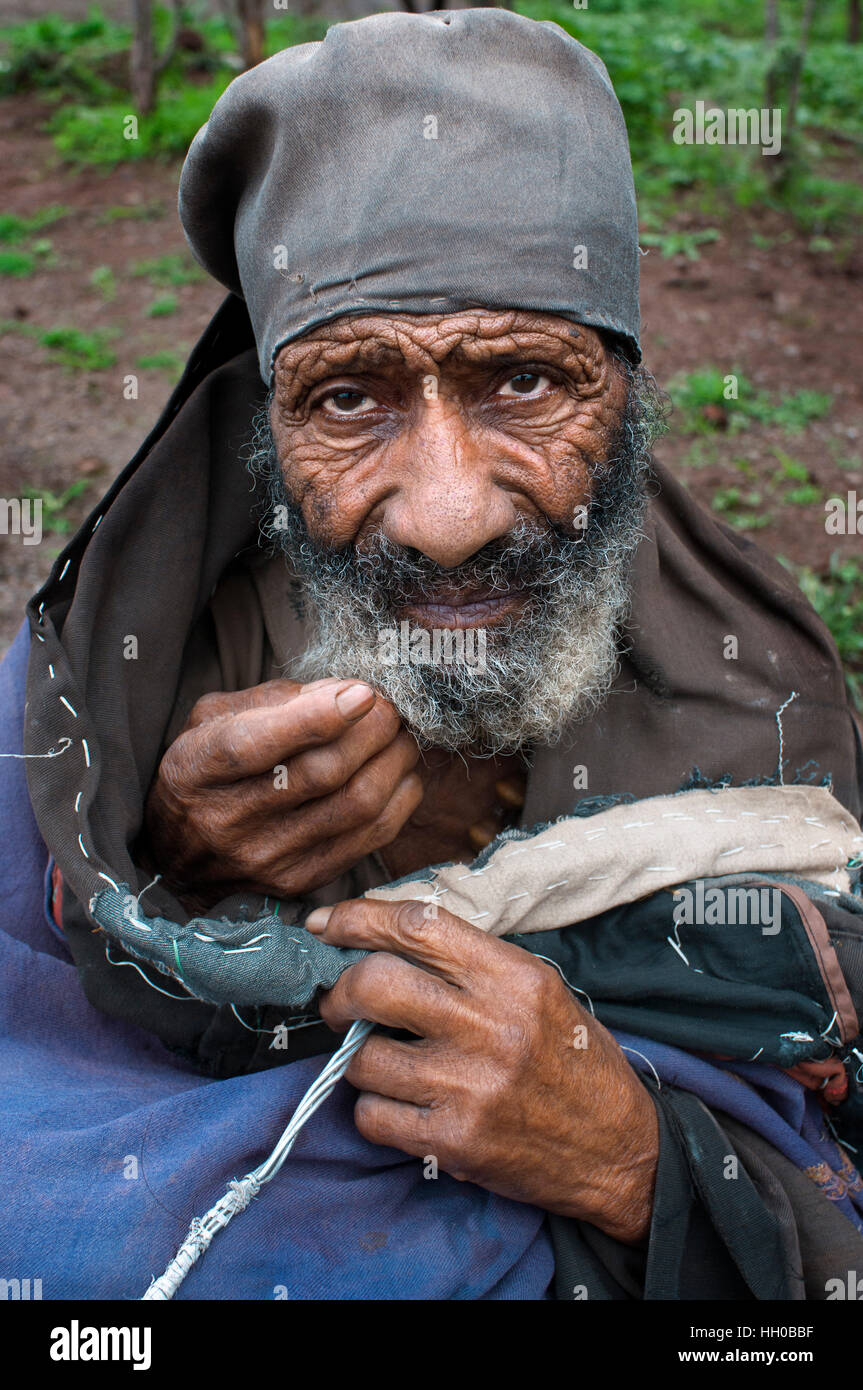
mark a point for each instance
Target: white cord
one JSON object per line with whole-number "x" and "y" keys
{"x": 240, "y": 1194}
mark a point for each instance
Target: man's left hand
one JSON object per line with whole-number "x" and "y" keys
{"x": 509, "y": 1082}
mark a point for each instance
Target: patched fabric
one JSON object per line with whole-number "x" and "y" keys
{"x": 547, "y": 880}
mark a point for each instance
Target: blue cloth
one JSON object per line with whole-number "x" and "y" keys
{"x": 110, "y": 1147}
{"x": 764, "y": 1099}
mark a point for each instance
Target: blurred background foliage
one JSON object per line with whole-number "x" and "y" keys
{"x": 797, "y": 54}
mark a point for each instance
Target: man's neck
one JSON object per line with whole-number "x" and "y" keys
{"x": 468, "y": 801}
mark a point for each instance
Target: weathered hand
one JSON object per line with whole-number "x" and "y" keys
{"x": 510, "y": 1084}
{"x": 279, "y": 788}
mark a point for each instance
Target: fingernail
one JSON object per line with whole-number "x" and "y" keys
{"x": 483, "y": 833}
{"x": 354, "y": 701}
{"x": 317, "y": 920}
{"x": 511, "y": 791}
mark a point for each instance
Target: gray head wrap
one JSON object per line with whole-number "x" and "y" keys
{"x": 418, "y": 164}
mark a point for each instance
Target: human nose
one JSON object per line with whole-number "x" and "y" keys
{"x": 448, "y": 501}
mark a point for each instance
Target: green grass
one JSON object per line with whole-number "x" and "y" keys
{"x": 130, "y": 212}
{"x": 799, "y": 488}
{"x": 702, "y": 404}
{"x": 17, "y": 263}
{"x": 39, "y": 256}
{"x": 672, "y": 243}
{"x": 54, "y": 505}
{"x": 78, "y": 351}
{"x": 104, "y": 280}
{"x": 14, "y": 229}
{"x": 736, "y": 507}
{"x": 71, "y": 348}
{"x": 164, "y": 361}
{"x": 161, "y": 308}
{"x": 93, "y": 133}
{"x": 837, "y": 596}
{"x": 756, "y": 507}
{"x": 22, "y": 251}
{"x": 169, "y": 271}
{"x": 850, "y": 463}
{"x": 790, "y": 413}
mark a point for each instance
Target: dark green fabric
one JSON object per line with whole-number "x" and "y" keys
{"x": 753, "y": 988}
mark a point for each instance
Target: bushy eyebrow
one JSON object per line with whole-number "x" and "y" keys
{"x": 306, "y": 364}
{"x": 299, "y": 370}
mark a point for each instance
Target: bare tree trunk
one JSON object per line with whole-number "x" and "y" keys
{"x": 771, "y": 22}
{"x": 853, "y": 21}
{"x": 251, "y": 14}
{"x": 142, "y": 67}
{"x": 799, "y": 59}
{"x": 171, "y": 46}
{"x": 771, "y": 34}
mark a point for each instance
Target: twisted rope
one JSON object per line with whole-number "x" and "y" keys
{"x": 240, "y": 1193}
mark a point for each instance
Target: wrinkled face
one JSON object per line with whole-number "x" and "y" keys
{"x": 442, "y": 432}
{"x": 479, "y": 470}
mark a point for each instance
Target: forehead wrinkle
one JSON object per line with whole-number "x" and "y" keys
{"x": 302, "y": 365}
{"x": 418, "y": 342}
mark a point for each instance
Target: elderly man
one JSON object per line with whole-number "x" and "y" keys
{"x": 271, "y": 722}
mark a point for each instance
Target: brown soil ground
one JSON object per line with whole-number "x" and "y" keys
{"x": 783, "y": 316}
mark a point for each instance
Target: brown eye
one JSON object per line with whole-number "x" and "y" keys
{"x": 525, "y": 384}
{"x": 347, "y": 402}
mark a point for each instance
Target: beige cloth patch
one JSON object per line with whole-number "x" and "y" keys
{"x": 582, "y": 866}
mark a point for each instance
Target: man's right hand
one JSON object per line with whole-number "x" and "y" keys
{"x": 280, "y": 789}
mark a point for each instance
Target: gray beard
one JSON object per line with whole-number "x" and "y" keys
{"x": 548, "y": 667}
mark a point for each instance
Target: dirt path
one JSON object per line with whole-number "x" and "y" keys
{"x": 770, "y": 309}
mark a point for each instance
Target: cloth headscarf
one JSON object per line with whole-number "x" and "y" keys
{"x": 419, "y": 164}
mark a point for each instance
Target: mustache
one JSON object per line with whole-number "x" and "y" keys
{"x": 550, "y": 662}
{"x": 534, "y": 558}
{"x": 530, "y": 558}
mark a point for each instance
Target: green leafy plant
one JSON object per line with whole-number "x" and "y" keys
{"x": 78, "y": 351}
{"x": 161, "y": 308}
{"x": 54, "y": 505}
{"x": 131, "y": 212}
{"x": 164, "y": 361}
{"x": 14, "y": 229}
{"x": 17, "y": 263}
{"x": 104, "y": 280}
{"x": 169, "y": 271}
{"x": 837, "y": 596}
{"x": 663, "y": 58}
{"x": 53, "y": 53}
{"x": 672, "y": 243}
{"x": 735, "y": 506}
{"x": 702, "y": 407}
